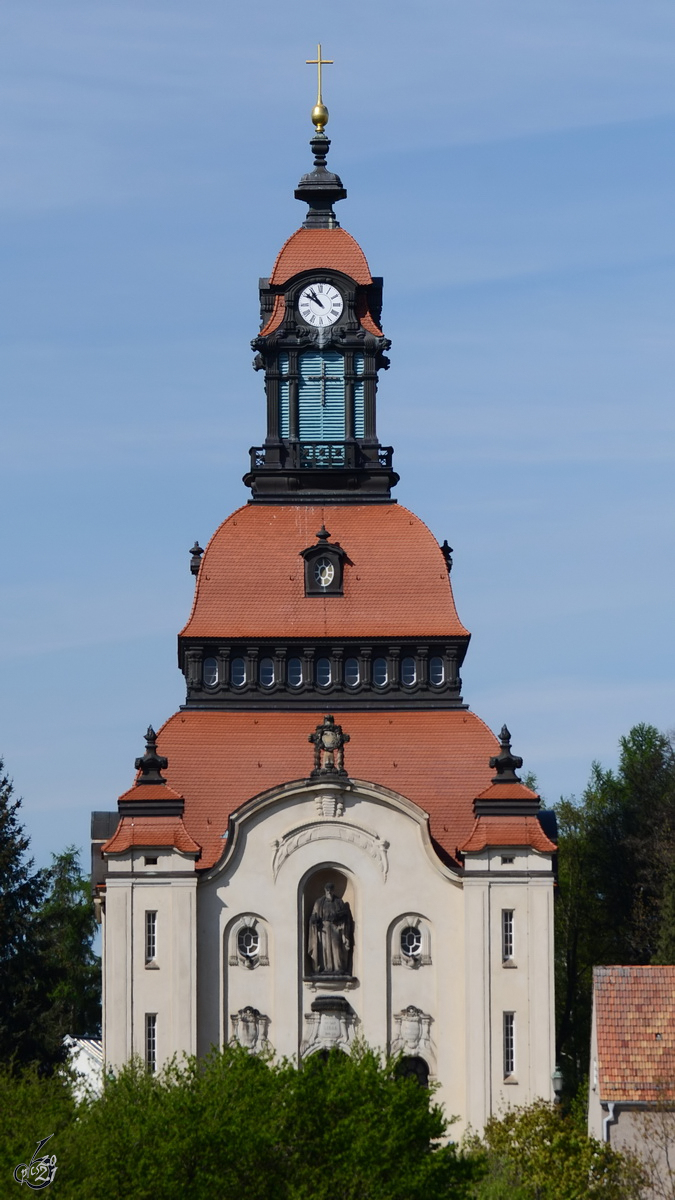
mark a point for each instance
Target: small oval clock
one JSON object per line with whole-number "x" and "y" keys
{"x": 320, "y": 304}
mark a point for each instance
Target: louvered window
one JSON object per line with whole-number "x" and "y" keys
{"x": 284, "y": 396}
{"x": 321, "y": 397}
{"x": 359, "y": 401}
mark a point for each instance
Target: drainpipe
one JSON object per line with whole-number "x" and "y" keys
{"x": 610, "y": 1119}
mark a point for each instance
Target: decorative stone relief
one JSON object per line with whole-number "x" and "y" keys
{"x": 330, "y": 805}
{"x": 412, "y": 1033}
{"x": 341, "y": 831}
{"x": 330, "y": 1025}
{"x": 249, "y": 1029}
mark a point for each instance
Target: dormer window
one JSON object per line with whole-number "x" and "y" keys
{"x": 323, "y": 566}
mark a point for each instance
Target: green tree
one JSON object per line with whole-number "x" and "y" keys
{"x": 22, "y": 890}
{"x": 67, "y": 931}
{"x": 539, "y": 1153}
{"x": 616, "y": 872}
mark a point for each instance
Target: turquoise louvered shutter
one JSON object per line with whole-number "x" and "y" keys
{"x": 284, "y": 397}
{"x": 321, "y": 397}
{"x": 359, "y": 397}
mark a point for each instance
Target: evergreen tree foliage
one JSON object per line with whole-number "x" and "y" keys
{"x": 49, "y": 974}
{"x": 616, "y": 873}
{"x": 22, "y": 891}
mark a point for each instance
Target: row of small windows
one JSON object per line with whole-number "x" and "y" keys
{"x": 323, "y": 672}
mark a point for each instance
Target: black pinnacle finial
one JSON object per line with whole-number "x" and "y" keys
{"x": 446, "y": 551}
{"x": 505, "y": 763}
{"x": 320, "y": 189}
{"x": 151, "y": 763}
{"x": 196, "y": 559}
{"x": 323, "y": 534}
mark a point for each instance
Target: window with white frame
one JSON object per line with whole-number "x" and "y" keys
{"x": 150, "y": 936}
{"x": 507, "y": 935}
{"x": 151, "y": 1042}
{"x": 509, "y": 1044}
{"x": 411, "y": 941}
{"x": 248, "y": 942}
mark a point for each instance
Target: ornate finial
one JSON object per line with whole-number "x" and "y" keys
{"x": 319, "y": 112}
{"x": 329, "y": 742}
{"x": 151, "y": 763}
{"x": 446, "y": 551}
{"x": 506, "y": 763}
{"x": 323, "y": 534}
{"x": 196, "y": 559}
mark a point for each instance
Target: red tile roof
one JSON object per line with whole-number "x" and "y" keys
{"x": 251, "y": 581}
{"x": 276, "y": 316}
{"x": 507, "y": 831}
{"x": 321, "y": 249}
{"x": 219, "y": 760}
{"x": 150, "y": 791}
{"x": 150, "y": 831}
{"x": 635, "y": 1021}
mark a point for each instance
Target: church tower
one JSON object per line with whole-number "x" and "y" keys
{"x": 324, "y": 842}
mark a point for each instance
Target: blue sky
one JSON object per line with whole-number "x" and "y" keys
{"x": 510, "y": 173}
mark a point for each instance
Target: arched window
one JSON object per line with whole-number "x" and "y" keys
{"x": 380, "y": 672}
{"x": 294, "y": 672}
{"x": 413, "y": 1067}
{"x": 324, "y": 672}
{"x": 352, "y": 672}
{"x": 210, "y": 672}
{"x": 247, "y": 942}
{"x": 436, "y": 670}
{"x": 411, "y": 942}
{"x": 408, "y": 671}
{"x": 238, "y": 672}
{"x": 266, "y": 672}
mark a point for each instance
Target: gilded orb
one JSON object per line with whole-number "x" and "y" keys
{"x": 319, "y": 117}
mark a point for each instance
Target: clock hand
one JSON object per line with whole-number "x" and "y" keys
{"x": 313, "y": 296}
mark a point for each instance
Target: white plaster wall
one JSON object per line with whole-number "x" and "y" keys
{"x": 168, "y": 986}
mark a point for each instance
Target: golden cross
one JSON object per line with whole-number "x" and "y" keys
{"x": 319, "y": 62}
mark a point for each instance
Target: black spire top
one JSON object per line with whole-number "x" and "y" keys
{"x": 151, "y": 763}
{"x": 506, "y": 763}
{"x": 320, "y": 189}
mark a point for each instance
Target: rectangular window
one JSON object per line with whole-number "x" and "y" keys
{"x": 507, "y": 934}
{"x": 509, "y": 1044}
{"x": 150, "y": 936}
{"x": 359, "y": 396}
{"x": 151, "y": 1042}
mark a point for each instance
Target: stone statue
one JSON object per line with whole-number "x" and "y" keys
{"x": 330, "y": 934}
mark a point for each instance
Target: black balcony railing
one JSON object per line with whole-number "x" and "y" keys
{"x": 299, "y": 456}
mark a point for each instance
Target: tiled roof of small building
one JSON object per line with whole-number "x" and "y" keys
{"x": 321, "y": 249}
{"x": 152, "y": 832}
{"x": 635, "y": 1023}
{"x": 219, "y": 760}
{"x": 251, "y": 581}
{"x": 507, "y": 831}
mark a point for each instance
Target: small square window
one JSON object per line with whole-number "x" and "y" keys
{"x": 507, "y": 860}
{"x": 149, "y": 861}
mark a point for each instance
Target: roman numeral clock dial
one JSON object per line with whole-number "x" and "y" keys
{"x": 320, "y": 304}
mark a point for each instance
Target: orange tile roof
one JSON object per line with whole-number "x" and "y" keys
{"x": 218, "y": 760}
{"x": 276, "y": 317}
{"x": 150, "y": 791}
{"x": 321, "y": 249}
{"x": 635, "y": 1021}
{"x": 507, "y": 791}
{"x": 507, "y": 831}
{"x": 150, "y": 831}
{"x": 251, "y": 581}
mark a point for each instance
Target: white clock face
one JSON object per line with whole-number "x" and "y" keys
{"x": 320, "y": 304}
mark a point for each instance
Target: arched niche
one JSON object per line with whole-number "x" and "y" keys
{"x": 418, "y": 952}
{"x": 411, "y": 1066}
{"x": 316, "y": 933}
{"x": 243, "y": 932}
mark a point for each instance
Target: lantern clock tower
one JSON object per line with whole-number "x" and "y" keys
{"x": 324, "y": 842}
